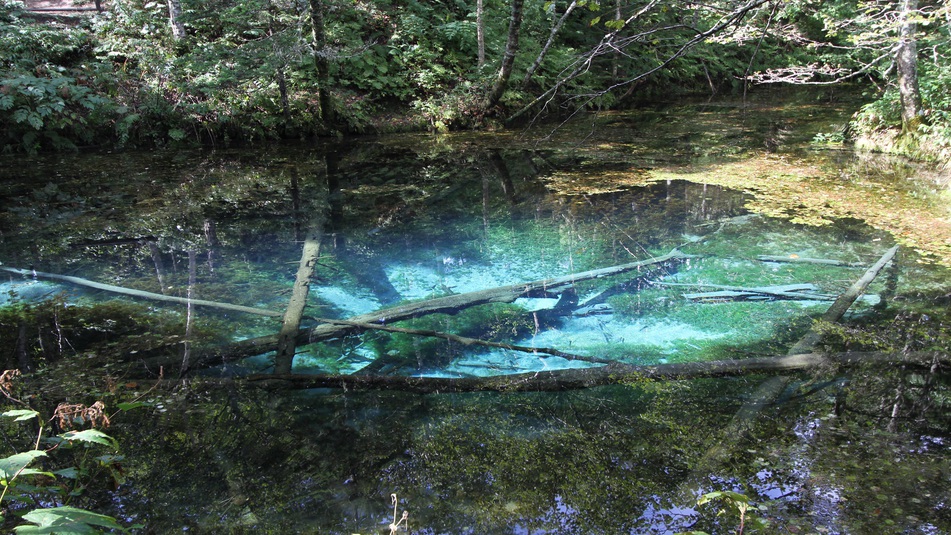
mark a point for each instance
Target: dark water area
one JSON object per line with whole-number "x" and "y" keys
{"x": 411, "y": 218}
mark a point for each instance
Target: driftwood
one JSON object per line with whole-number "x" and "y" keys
{"x": 580, "y": 378}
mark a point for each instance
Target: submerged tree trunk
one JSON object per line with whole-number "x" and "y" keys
{"x": 770, "y": 390}
{"x": 450, "y": 304}
{"x": 287, "y": 339}
{"x": 906, "y": 60}
{"x": 508, "y": 60}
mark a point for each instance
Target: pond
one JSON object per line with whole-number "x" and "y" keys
{"x": 728, "y": 230}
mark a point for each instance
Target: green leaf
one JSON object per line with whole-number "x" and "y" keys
{"x": 90, "y": 435}
{"x": 21, "y": 414}
{"x": 68, "y": 473}
{"x": 65, "y": 521}
{"x": 14, "y": 464}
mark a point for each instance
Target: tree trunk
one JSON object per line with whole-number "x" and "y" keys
{"x": 842, "y": 304}
{"x": 321, "y": 62}
{"x": 770, "y": 390}
{"x": 450, "y": 304}
{"x": 175, "y": 19}
{"x": 508, "y": 60}
{"x": 551, "y": 39}
{"x": 480, "y": 30}
{"x": 287, "y": 339}
{"x": 906, "y": 60}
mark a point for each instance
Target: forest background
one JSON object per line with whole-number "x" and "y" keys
{"x": 144, "y": 73}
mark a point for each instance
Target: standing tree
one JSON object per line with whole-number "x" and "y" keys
{"x": 480, "y": 30}
{"x": 906, "y": 61}
{"x": 508, "y": 59}
{"x": 321, "y": 61}
{"x": 175, "y": 19}
{"x": 878, "y": 39}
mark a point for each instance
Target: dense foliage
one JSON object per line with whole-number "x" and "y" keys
{"x": 265, "y": 69}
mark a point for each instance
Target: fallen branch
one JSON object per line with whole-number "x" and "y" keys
{"x": 580, "y": 378}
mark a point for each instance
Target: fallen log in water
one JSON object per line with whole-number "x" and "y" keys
{"x": 579, "y": 378}
{"x": 739, "y": 293}
{"x": 79, "y": 281}
{"x": 799, "y": 259}
{"x": 452, "y": 304}
{"x": 770, "y": 390}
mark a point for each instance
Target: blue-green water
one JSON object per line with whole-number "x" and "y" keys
{"x": 412, "y": 218}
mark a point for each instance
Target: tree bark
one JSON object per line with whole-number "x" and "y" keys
{"x": 480, "y": 30}
{"x": 551, "y": 39}
{"x": 321, "y": 62}
{"x": 175, "y": 19}
{"x": 906, "y": 60}
{"x": 508, "y": 60}
{"x": 287, "y": 338}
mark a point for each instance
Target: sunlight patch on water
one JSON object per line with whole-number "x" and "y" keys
{"x": 594, "y": 332}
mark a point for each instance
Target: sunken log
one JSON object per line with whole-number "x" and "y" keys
{"x": 612, "y": 374}
{"x": 739, "y": 293}
{"x": 844, "y": 302}
{"x": 141, "y": 294}
{"x": 770, "y": 390}
{"x": 290, "y": 325}
{"x": 329, "y": 329}
{"x": 799, "y": 259}
{"x": 452, "y": 304}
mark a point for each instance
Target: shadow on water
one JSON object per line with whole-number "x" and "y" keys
{"x": 414, "y": 218}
